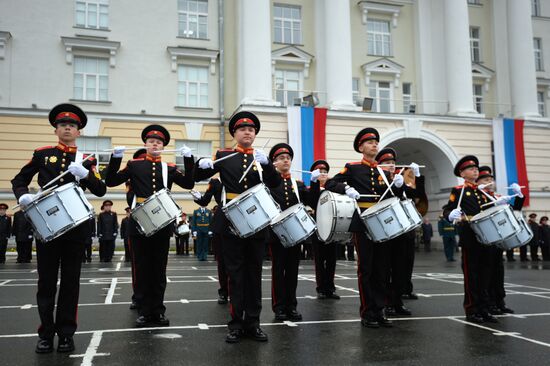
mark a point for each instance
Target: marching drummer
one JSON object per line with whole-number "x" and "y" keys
{"x": 475, "y": 275}
{"x": 243, "y": 257}
{"x": 324, "y": 254}
{"x": 65, "y": 251}
{"x": 148, "y": 175}
{"x": 285, "y": 261}
{"x": 493, "y": 261}
{"x": 355, "y": 179}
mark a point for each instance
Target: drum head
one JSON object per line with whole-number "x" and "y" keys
{"x": 381, "y": 205}
{"x": 326, "y": 215}
{"x": 286, "y": 213}
{"x": 488, "y": 212}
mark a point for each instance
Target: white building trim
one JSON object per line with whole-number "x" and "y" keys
{"x": 382, "y": 66}
{"x": 480, "y": 72}
{"x": 291, "y": 55}
{"x": 544, "y": 83}
{"x": 379, "y": 8}
{"x": 4, "y": 39}
{"x": 177, "y": 53}
{"x": 90, "y": 44}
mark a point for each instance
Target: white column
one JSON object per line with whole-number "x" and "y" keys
{"x": 523, "y": 77}
{"x": 338, "y": 73}
{"x": 458, "y": 59}
{"x": 254, "y": 53}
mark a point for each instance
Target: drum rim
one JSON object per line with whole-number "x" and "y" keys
{"x": 332, "y": 199}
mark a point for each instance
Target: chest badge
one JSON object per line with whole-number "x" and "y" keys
{"x": 53, "y": 159}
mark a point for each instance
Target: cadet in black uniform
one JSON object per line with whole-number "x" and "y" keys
{"x": 107, "y": 231}
{"x": 494, "y": 263}
{"x": 324, "y": 254}
{"x": 124, "y": 235}
{"x": 66, "y": 251}
{"x": 214, "y": 190}
{"x": 473, "y": 259}
{"x": 372, "y": 258}
{"x": 22, "y": 230}
{"x": 5, "y": 231}
{"x": 150, "y": 253}
{"x": 285, "y": 261}
{"x": 243, "y": 257}
{"x": 87, "y": 255}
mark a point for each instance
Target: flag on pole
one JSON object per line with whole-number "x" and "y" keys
{"x": 307, "y": 136}
{"x": 510, "y": 166}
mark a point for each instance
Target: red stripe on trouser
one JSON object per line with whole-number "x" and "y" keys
{"x": 364, "y": 307}
{"x": 231, "y": 309}
{"x": 466, "y": 280}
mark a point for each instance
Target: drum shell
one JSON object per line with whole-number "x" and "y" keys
{"x": 334, "y": 214}
{"x": 520, "y": 238}
{"x": 412, "y": 212}
{"x": 293, "y": 226}
{"x": 386, "y": 220}
{"x": 59, "y": 211}
{"x": 251, "y": 211}
{"x": 494, "y": 225}
{"x": 157, "y": 212}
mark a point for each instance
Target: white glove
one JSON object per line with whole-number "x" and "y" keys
{"x": 196, "y": 195}
{"x": 209, "y": 233}
{"x": 118, "y": 151}
{"x": 517, "y": 189}
{"x": 78, "y": 170}
{"x": 315, "y": 175}
{"x": 455, "y": 214}
{"x": 206, "y": 163}
{"x": 25, "y": 199}
{"x": 503, "y": 200}
{"x": 185, "y": 151}
{"x": 260, "y": 156}
{"x": 398, "y": 181}
{"x": 352, "y": 193}
{"x": 416, "y": 169}
{"x": 194, "y": 233}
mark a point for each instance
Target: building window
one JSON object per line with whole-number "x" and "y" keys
{"x": 474, "y": 2}
{"x": 193, "y": 18}
{"x": 355, "y": 90}
{"x": 381, "y": 92}
{"x": 92, "y": 14}
{"x": 192, "y": 86}
{"x": 475, "y": 44}
{"x": 287, "y": 85}
{"x": 91, "y": 78}
{"x": 541, "y": 103}
{"x": 378, "y": 37}
{"x": 537, "y": 45}
{"x": 96, "y": 145}
{"x": 478, "y": 97}
{"x": 407, "y": 97}
{"x": 287, "y": 22}
{"x": 535, "y": 8}
{"x": 200, "y": 149}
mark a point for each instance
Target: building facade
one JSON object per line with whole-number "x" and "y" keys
{"x": 429, "y": 74}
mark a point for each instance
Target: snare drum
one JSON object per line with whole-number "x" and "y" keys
{"x": 495, "y": 224}
{"x": 293, "y": 225}
{"x": 183, "y": 229}
{"x": 157, "y": 212}
{"x": 386, "y": 220}
{"x": 251, "y": 211}
{"x": 334, "y": 213}
{"x": 521, "y": 237}
{"x": 412, "y": 212}
{"x": 59, "y": 211}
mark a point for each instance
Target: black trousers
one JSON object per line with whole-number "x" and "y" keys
{"x": 182, "y": 244}
{"x": 496, "y": 282}
{"x": 372, "y": 273}
{"x": 106, "y": 249}
{"x": 243, "y": 261}
{"x": 132, "y": 269}
{"x": 62, "y": 255}
{"x": 3, "y": 248}
{"x": 324, "y": 255}
{"x": 398, "y": 270}
{"x": 222, "y": 273}
{"x": 474, "y": 268}
{"x": 127, "y": 255}
{"x": 545, "y": 250}
{"x": 87, "y": 255}
{"x": 24, "y": 250}
{"x": 284, "y": 275}
{"x": 150, "y": 259}
{"x": 409, "y": 250}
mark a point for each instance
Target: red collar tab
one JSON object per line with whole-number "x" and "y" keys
{"x": 244, "y": 150}
{"x": 367, "y": 163}
{"x": 68, "y": 149}
{"x": 70, "y": 115}
{"x": 286, "y": 176}
{"x": 472, "y": 185}
{"x": 154, "y": 159}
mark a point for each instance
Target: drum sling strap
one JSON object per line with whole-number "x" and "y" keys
{"x": 295, "y": 187}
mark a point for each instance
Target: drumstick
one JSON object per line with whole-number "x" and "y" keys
{"x": 253, "y": 162}
{"x": 38, "y": 195}
{"x": 301, "y": 171}
{"x": 64, "y": 173}
{"x": 513, "y": 187}
{"x": 369, "y": 195}
{"x": 401, "y": 166}
{"x": 488, "y": 195}
{"x": 490, "y": 203}
{"x": 460, "y": 200}
{"x": 132, "y": 148}
{"x": 391, "y": 184}
{"x": 225, "y": 157}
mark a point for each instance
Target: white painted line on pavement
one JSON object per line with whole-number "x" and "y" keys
{"x": 111, "y": 292}
{"x": 203, "y": 326}
{"x": 91, "y": 351}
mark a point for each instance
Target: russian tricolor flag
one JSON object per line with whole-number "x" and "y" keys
{"x": 510, "y": 166}
{"x": 307, "y": 136}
